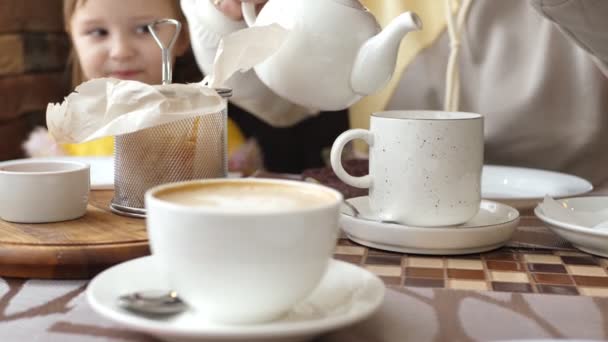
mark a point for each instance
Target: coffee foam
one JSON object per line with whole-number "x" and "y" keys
{"x": 247, "y": 197}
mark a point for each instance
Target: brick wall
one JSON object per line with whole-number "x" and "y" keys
{"x": 33, "y": 53}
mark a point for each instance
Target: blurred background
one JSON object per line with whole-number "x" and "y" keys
{"x": 33, "y": 56}
{"x": 32, "y": 68}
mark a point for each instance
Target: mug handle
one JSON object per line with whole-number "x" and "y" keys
{"x": 248, "y": 9}
{"x": 336, "y": 157}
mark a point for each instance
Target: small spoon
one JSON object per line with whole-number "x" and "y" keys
{"x": 153, "y": 302}
{"x": 356, "y": 214}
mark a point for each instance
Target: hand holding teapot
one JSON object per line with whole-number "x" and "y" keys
{"x": 232, "y": 8}
{"x": 335, "y": 52}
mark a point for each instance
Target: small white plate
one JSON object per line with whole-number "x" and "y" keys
{"x": 590, "y": 240}
{"x": 346, "y": 294}
{"x": 491, "y": 228}
{"x": 102, "y": 171}
{"x": 523, "y": 188}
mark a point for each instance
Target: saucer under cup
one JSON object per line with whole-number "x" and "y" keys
{"x": 345, "y": 295}
{"x": 490, "y": 228}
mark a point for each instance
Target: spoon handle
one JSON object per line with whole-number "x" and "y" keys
{"x": 154, "y": 302}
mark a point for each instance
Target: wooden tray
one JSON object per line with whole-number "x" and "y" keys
{"x": 72, "y": 249}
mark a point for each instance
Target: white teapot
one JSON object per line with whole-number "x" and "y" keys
{"x": 335, "y": 52}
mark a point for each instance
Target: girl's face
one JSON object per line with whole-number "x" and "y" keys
{"x": 111, "y": 38}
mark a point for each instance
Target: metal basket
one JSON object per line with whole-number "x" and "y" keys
{"x": 194, "y": 148}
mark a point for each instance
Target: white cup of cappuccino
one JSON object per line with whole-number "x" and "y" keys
{"x": 242, "y": 250}
{"x": 424, "y": 166}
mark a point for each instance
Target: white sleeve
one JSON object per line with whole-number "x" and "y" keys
{"x": 583, "y": 21}
{"x": 207, "y": 26}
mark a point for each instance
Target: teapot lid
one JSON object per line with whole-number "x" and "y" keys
{"x": 351, "y": 3}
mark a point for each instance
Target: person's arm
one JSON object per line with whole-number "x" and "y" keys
{"x": 207, "y": 26}
{"x": 583, "y": 21}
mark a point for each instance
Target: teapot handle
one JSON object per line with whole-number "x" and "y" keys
{"x": 248, "y": 9}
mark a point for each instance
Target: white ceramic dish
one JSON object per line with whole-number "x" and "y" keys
{"x": 347, "y": 294}
{"x": 102, "y": 169}
{"x": 41, "y": 191}
{"x": 491, "y": 228}
{"x": 590, "y": 240}
{"x": 523, "y": 188}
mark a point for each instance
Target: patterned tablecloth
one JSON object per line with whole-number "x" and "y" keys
{"x": 512, "y": 292}
{"x": 541, "y": 269}
{"x": 537, "y": 286}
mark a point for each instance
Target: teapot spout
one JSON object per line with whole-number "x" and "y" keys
{"x": 377, "y": 58}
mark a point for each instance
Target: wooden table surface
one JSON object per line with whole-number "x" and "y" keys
{"x": 76, "y": 249}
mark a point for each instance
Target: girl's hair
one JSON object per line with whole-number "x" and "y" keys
{"x": 69, "y": 8}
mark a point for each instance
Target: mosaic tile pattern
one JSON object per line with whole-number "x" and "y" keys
{"x": 507, "y": 269}
{"x": 535, "y": 260}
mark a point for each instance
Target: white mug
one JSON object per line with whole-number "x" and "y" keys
{"x": 242, "y": 250}
{"x": 424, "y": 166}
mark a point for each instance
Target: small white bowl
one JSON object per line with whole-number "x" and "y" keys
{"x": 43, "y": 191}
{"x": 590, "y": 240}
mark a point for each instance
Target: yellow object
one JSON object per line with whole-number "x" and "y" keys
{"x": 434, "y": 23}
{"x": 235, "y": 137}
{"x": 99, "y": 147}
{"x": 105, "y": 146}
